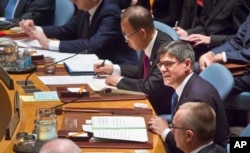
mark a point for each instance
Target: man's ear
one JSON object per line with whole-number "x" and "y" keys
{"x": 189, "y": 135}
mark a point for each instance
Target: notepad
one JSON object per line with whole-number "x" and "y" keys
{"x": 127, "y": 128}
{"x": 46, "y": 96}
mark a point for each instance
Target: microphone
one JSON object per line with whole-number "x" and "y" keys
{"x": 82, "y": 52}
{"x": 59, "y": 110}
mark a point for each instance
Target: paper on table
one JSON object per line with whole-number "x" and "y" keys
{"x": 129, "y": 128}
{"x": 27, "y": 42}
{"x": 95, "y": 84}
{"x": 46, "y": 96}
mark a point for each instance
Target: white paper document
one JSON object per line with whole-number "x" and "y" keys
{"x": 96, "y": 84}
{"x": 128, "y": 128}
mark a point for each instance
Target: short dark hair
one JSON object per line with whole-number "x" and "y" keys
{"x": 138, "y": 17}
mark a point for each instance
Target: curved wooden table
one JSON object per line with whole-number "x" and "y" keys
{"x": 28, "y": 110}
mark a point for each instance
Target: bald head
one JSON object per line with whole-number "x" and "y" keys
{"x": 60, "y": 146}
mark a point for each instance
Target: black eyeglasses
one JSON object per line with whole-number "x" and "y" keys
{"x": 130, "y": 35}
{"x": 171, "y": 126}
{"x": 166, "y": 64}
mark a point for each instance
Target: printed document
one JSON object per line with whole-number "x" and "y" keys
{"x": 128, "y": 128}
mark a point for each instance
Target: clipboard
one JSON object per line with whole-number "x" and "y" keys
{"x": 85, "y": 142}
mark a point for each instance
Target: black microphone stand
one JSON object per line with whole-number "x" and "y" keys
{"x": 26, "y": 80}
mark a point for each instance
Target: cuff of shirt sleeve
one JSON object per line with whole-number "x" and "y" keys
{"x": 117, "y": 69}
{"x": 54, "y": 45}
{"x": 38, "y": 28}
{"x": 224, "y": 57}
{"x": 165, "y": 133}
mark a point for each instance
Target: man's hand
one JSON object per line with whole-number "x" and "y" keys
{"x": 105, "y": 69}
{"x": 27, "y": 25}
{"x": 113, "y": 79}
{"x": 209, "y": 58}
{"x": 181, "y": 32}
{"x": 40, "y": 36}
{"x": 198, "y": 39}
{"x": 158, "y": 125}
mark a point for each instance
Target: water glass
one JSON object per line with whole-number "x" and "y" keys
{"x": 46, "y": 123}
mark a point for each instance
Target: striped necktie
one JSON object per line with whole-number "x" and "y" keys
{"x": 9, "y": 9}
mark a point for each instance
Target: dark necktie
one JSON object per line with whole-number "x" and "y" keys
{"x": 9, "y": 9}
{"x": 85, "y": 31}
{"x": 174, "y": 101}
{"x": 145, "y": 65}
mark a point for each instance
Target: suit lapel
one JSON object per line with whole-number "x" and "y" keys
{"x": 3, "y": 4}
{"x": 186, "y": 91}
{"x": 19, "y": 9}
{"x": 216, "y": 10}
{"x": 94, "y": 19}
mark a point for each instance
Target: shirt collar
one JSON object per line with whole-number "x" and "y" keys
{"x": 180, "y": 88}
{"x": 149, "y": 48}
{"x": 201, "y": 147}
{"x": 93, "y": 10}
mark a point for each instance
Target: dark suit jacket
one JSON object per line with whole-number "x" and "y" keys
{"x": 238, "y": 51}
{"x": 238, "y": 48}
{"x": 222, "y": 21}
{"x": 167, "y": 11}
{"x": 199, "y": 90}
{"x": 41, "y": 11}
{"x": 105, "y": 36}
{"x": 213, "y": 148}
{"x": 158, "y": 94}
{"x": 123, "y": 4}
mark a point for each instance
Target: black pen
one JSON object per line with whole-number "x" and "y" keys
{"x": 103, "y": 63}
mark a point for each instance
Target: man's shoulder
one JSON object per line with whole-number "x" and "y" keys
{"x": 163, "y": 36}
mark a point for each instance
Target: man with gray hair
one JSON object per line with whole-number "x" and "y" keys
{"x": 60, "y": 146}
{"x": 194, "y": 126}
{"x": 177, "y": 67}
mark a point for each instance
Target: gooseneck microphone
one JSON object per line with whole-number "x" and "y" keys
{"x": 82, "y": 52}
{"x": 59, "y": 110}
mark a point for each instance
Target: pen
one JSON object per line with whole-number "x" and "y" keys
{"x": 75, "y": 134}
{"x": 176, "y": 24}
{"x": 103, "y": 63}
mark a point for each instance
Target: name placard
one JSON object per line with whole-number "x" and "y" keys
{"x": 15, "y": 119}
{"x": 12, "y": 125}
{"x": 6, "y": 79}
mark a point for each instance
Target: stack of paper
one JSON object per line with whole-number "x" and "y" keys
{"x": 126, "y": 128}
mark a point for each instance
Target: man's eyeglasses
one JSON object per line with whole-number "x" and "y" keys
{"x": 171, "y": 126}
{"x": 130, "y": 35}
{"x": 166, "y": 64}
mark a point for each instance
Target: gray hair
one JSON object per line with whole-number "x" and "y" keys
{"x": 201, "y": 118}
{"x": 180, "y": 50}
{"x": 60, "y": 146}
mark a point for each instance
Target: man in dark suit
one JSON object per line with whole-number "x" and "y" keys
{"x": 194, "y": 126}
{"x": 140, "y": 33}
{"x": 41, "y": 11}
{"x": 167, "y": 11}
{"x": 219, "y": 21}
{"x": 95, "y": 28}
{"x": 237, "y": 50}
{"x": 177, "y": 67}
